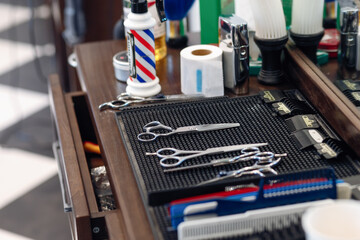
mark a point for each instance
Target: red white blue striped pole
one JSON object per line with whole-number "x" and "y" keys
{"x": 144, "y": 55}
{"x": 141, "y": 52}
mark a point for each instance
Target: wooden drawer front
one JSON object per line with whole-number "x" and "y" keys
{"x": 69, "y": 169}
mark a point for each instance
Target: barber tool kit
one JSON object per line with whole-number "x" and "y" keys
{"x": 200, "y": 164}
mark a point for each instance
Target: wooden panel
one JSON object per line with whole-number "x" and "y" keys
{"x": 80, "y": 210}
{"x": 342, "y": 115}
{"x": 97, "y": 79}
{"x": 115, "y": 226}
{"x": 81, "y": 157}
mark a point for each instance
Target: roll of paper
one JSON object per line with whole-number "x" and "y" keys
{"x": 201, "y": 70}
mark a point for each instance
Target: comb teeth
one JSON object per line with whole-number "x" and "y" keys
{"x": 334, "y": 146}
{"x": 269, "y": 19}
{"x": 354, "y": 97}
{"x": 306, "y": 17}
{"x": 290, "y": 125}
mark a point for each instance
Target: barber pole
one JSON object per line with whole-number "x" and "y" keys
{"x": 142, "y": 80}
{"x": 144, "y": 56}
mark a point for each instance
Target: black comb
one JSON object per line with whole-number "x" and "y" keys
{"x": 300, "y": 122}
{"x": 291, "y": 107}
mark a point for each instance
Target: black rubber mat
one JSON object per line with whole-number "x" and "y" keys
{"x": 258, "y": 124}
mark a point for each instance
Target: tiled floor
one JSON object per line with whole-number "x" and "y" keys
{"x": 30, "y": 198}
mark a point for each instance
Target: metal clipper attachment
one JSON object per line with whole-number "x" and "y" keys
{"x": 234, "y": 41}
{"x": 349, "y": 19}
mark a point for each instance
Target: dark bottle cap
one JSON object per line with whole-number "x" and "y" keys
{"x": 139, "y": 6}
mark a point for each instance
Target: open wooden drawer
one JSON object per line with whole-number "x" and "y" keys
{"x": 73, "y": 124}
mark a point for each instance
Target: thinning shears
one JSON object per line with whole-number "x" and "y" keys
{"x": 247, "y": 154}
{"x": 124, "y": 100}
{"x": 260, "y": 166}
{"x": 172, "y": 157}
{"x": 155, "y": 129}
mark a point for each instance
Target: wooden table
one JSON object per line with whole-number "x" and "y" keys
{"x": 77, "y": 116}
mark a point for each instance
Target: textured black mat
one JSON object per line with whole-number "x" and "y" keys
{"x": 258, "y": 123}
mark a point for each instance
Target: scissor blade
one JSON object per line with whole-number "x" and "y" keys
{"x": 206, "y": 127}
{"x": 209, "y": 127}
{"x": 189, "y": 167}
{"x": 235, "y": 147}
{"x": 182, "y": 96}
{"x": 212, "y": 163}
{"x": 214, "y": 180}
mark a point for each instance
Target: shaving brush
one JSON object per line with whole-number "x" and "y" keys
{"x": 306, "y": 26}
{"x": 270, "y": 37}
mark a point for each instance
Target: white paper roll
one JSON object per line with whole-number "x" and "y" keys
{"x": 201, "y": 70}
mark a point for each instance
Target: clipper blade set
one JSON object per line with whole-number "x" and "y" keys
{"x": 258, "y": 123}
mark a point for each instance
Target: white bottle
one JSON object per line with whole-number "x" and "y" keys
{"x": 140, "y": 24}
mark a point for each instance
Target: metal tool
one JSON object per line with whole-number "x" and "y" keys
{"x": 234, "y": 37}
{"x": 172, "y": 157}
{"x": 349, "y": 18}
{"x": 156, "y": 129}
{"x": 251, "y": 153}
{"x": 124, "y": 100}
{"x": 257, "y": 168}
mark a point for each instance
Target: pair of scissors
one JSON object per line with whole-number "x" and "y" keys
{"x": 257, "y": 168}
{"x": 172, "y": 157}
{"x": 247, "y": 154}
{"x": 124, "y": 100}
{"x": 156, "y": 129}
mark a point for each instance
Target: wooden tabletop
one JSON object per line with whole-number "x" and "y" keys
{"x": 97, "y": 79}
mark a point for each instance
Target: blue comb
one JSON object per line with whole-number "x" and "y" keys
{"x": 277, "y": 191}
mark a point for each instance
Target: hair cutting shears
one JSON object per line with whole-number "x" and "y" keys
{"x": 247, "y": 154}
{"x": 124, "y": 100}
{"x": 257, "y": 168}
{"x": 156, "y": 129}
{"x": 172, "y": 157}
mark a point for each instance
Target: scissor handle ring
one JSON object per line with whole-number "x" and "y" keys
{"x": 246, "y": 154}
{"x": 115, "y": 105}
{"x": 126, "y": 96}
{"x": 147, "y": 136}
{"x": 173, "y": 153}
{"x": 264, "y": 157}
{"x": 154, "y": 125}
{"x": 178, "y": 161}
{"x": 250, "y": 150}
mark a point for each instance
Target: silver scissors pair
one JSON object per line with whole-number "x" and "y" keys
{"x": 258, "y": 168}
{"x": 124, "y": 100}
{"x": 156, "y": 129}
{"x": 172, "y": 157}
{"x": 247, "y": 154}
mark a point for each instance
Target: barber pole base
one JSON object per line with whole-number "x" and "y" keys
{"x": 143, "y": 89}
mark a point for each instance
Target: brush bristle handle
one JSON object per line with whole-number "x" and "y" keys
{"x": 269, "y": 19}
{"x": 271, "y": 71}
{"x": 307, "y": 16}
{"x": 308, "y": 44}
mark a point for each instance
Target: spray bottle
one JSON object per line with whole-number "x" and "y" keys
{"x": 140, "y": 24}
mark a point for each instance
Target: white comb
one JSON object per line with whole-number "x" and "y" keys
{"x": 250, "y": 222}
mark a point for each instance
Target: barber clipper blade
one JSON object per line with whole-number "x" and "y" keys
{"x": 234, "y": 41}
{"x": 272, "y": 96}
